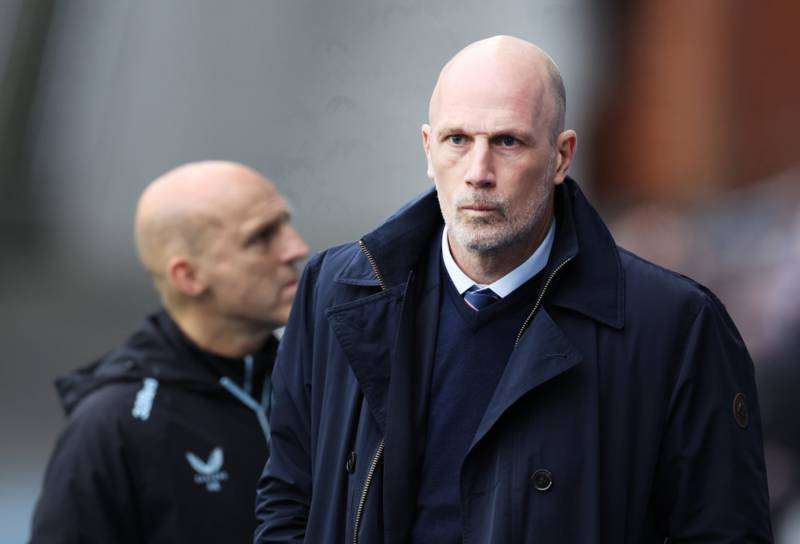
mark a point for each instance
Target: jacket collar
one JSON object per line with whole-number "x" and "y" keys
{"x": 160, "y": 350}
{"x": 397, "y": 244}
{"x": 592, "y": 283}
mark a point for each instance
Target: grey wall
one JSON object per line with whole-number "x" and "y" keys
{"x": 326, "y": 98}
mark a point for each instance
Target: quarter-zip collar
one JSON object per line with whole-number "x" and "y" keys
{"x": 247, "y": 372}
{"x": 593, "y": 274}
{"x": 160, "y": 350}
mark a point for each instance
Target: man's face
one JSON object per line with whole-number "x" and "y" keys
{"x": 250, "y": 257}
{"x": 493, "y": 164}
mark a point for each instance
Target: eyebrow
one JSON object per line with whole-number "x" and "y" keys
{"x": 268, "y": 228}
{"x": 446, "y": 130}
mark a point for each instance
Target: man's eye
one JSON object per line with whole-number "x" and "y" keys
{"x": 456, "y": 139}
{"x": 264, "y": 235}
{"x": 508, "y": 141}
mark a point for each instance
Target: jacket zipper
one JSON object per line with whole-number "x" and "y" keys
{"x": 539, "y": 301}
{"x": 363, "y": 500}
{"x": 379, "y": 452}
{"x": 372, "y": 263}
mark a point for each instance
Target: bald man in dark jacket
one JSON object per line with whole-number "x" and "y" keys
{"x": 166, "y": 435}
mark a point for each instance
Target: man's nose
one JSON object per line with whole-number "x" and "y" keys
{"x": 295, "y": 247}
{"x": 480, "y": 172}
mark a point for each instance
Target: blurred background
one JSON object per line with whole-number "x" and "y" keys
{"x": 687, "y": 117}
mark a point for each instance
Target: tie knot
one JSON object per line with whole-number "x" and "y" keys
{"x": 478, "y": 299}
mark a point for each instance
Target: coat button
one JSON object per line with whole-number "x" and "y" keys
{"x": 542, "y": 480}
{"x": 350, "y": 465}
{"x": 740, "y": 412}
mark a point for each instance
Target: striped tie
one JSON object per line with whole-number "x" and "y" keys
{"x": 478, "y": 299}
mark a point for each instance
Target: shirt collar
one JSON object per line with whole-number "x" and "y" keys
{"x": 508, "y": 283}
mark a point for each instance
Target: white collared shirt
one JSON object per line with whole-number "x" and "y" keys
{"x": 508, "y": 283}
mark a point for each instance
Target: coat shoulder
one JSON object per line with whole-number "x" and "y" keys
{"x": 651, "y": 289}
{"x": 329, "y": 262}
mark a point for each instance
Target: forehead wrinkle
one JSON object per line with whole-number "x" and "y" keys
{"x": 513, "y": 117}
{"x": 493, "y": 128}
{"x": 263, "y": 214}
{"x": 260, "y": 223}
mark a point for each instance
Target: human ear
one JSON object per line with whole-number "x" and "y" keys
{"x": 565, "y": 149}
{"x": 426, "y": 146}
{"x": 183, "y": 275}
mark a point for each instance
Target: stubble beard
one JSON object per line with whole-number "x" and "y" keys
{"x": 502, "y": 230}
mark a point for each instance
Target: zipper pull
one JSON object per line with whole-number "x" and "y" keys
{"x": 247, "y": 383}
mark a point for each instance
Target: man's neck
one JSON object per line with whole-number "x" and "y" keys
{"x": 219, "y": 337}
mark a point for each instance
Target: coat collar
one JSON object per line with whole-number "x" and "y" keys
{"x": 591, "y": 283}
{"x": 397, "y": 244}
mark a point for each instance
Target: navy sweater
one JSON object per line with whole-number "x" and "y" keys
{"x": 471, "y": 353}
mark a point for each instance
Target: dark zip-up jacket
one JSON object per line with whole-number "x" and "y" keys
{"x": 155, "y": 449}
{"x": 627, "y": 412}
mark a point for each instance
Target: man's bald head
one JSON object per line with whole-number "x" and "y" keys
{"x": 217, "y": 238}
{"x": 525, "y": 70}
{"x": 496, "y": 150}
{"x": 179, "y": 210}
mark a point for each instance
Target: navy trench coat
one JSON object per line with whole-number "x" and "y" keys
{"x": 627, "y": 413}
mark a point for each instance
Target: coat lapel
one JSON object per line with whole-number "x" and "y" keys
{"x": 366, "y": 330}
{"x": 543, "y": 353}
